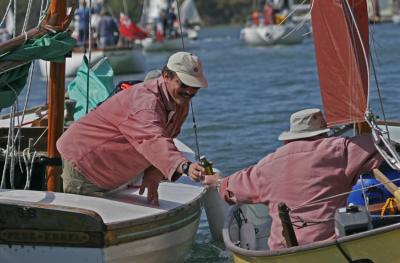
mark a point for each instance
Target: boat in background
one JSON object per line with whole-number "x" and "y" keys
{"x": 341, "y": 40}
{"x": 301, "y": 12}
{"x": 274, "y": 28}
{"x": 287, "y": 34}
{"x": 123, "y": 60}
{"x": 190, "y": 18}
{"x": 160, "y": 20}
{"x": 396, "y": 12}
{"x": 380, "y": 11}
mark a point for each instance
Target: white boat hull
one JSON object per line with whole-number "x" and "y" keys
{"x": 122, "y": 60}
{"x": 273, "y": 35}
{"x": 169, "y": 247}
{"x": 396, "y": 19}
{"x": 149, "y": 45}
{"x": 121, "y": 227}
{"x": 23, "y": 253}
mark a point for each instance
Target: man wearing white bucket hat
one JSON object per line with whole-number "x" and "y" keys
{"x": 309, "y": 167}
{"x": 132, "y": 132}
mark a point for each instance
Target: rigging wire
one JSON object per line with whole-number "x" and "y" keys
{"x": 14, "y": 33}
{"x": 368, "y": 70}
{"x": 6, "y": 13}
{"x": 301, "y": 23}
{"x": 89, "y": 54}
{"x": 13, "y": 148}
{"x": 380, "y": 98}
{"x": 342, "y": 194}
{"x": 364, "y": 194}
{"x": 363, "y": 49}
{"x": 197, "y": 155}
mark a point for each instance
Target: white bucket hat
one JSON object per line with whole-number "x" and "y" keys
{"x": 303, "y": 124}
{"x": 189, "y": 69}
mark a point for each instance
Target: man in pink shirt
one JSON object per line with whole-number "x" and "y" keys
{"x": 132, "y": 132}
{"x": 309, "y": 167}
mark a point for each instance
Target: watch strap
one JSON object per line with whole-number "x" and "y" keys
{"x": 185, "y": 167}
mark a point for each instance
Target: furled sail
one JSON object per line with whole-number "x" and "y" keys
{"x": 340, "y": 29}
{"x": 13, "y": 79}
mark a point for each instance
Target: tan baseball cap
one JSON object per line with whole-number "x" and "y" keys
{"x": 189, "y": 69}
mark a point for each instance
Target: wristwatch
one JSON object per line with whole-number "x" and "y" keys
{"x": 185, "y": 167}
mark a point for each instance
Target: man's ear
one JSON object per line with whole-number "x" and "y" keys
{"x": 165, "y": 75}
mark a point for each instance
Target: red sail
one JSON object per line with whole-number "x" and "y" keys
{"x": 342, "y": 65}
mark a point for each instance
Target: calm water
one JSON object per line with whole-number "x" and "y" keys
{"x": 251, "y": 94}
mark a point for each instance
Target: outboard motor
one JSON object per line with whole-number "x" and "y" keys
{"x": 351, "y": 219}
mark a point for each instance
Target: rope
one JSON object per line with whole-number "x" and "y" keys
{"x": 29, "y": 162}
{"x": 12, "y": 152}
{"x": 3, "y": 179}
{"x": 42, "y": 11}
{"x": 392, "y": 204}
{"x": 28, "y": 11}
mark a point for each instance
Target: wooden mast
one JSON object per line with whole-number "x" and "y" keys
{"x": 56, "y": 90}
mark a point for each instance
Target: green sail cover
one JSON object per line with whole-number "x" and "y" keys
{"x": 100, "y": 86}
{"x": 52, "y": 48}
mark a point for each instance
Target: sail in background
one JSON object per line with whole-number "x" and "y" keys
{"x": 189, "y": 13}
{"x": 342, "y": 65}
{"x": 151, "y": 11}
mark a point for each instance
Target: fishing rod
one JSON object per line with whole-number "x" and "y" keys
{"x": 200, "y": 158}
{"x": 197, "y": 154}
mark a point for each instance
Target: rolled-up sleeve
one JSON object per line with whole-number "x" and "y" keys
{"x": 145, "y": 130}
{"x": 242, "y": 186}
{"x": 362, "y": 155}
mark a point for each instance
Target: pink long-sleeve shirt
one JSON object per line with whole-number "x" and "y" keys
{"x": 126, "y": 134}
{"x": 299, "y": 173}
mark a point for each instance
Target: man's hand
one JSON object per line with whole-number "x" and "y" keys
{"x": 211, "y": 181}
{"x": 196, "y": 172}
{"x": 151, "y": 179}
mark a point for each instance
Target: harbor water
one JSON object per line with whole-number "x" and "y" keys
{"x": 252, "y": 92}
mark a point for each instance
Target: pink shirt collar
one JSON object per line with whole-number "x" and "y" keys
{"x": 169, "y": 103}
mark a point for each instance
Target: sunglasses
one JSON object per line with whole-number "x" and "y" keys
{"x": 184, "y": 86}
